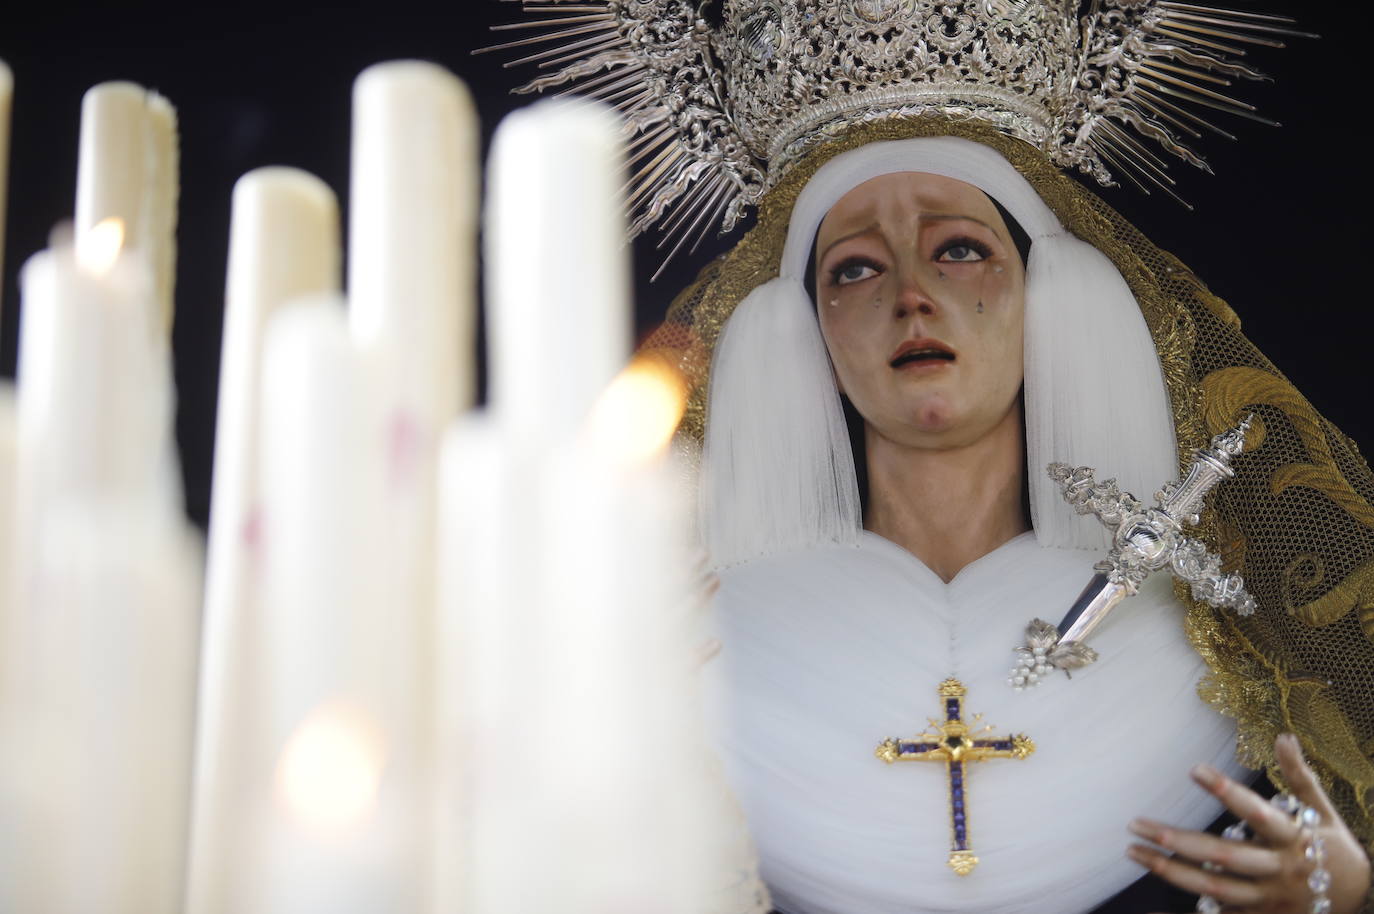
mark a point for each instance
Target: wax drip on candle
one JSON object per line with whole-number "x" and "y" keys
{"x": 405, "y": 446}
{"x": 252, "y": 528}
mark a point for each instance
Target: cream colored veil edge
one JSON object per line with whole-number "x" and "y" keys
{"x": 778, "y": 471}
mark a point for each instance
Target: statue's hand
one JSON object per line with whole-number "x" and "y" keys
{"x": 1267, "y": 874}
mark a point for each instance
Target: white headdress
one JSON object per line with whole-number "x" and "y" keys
{"x": 778, "y": 471}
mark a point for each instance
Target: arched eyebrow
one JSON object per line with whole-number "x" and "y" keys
{"x": 863, "y": 231}
{"x": 931, "y": 217}
{"x": 948, "y": 217}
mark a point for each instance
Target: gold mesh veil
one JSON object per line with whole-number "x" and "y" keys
{"x": 1297, "y": 520}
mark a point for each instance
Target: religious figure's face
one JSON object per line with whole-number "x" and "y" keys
{"x": 921, "y": 297}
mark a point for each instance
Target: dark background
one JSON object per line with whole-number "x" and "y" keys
{"x": 1281, "y": 231}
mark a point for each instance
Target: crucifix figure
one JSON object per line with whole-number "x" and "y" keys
{"x": 951, "y": 743}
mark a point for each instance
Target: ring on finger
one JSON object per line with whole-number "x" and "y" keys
{"x": 1307, "y": 820}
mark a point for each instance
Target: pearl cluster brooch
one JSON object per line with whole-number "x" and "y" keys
{"x": 1029, "y": 668}
{"x": 1043, "y": 653}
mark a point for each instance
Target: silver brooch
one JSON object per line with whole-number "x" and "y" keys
{"x": 1144, "y": 540}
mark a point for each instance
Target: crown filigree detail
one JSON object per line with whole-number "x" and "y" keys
{"x": 718, "y": 112}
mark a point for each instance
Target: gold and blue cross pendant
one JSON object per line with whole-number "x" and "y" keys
{"x": 951, "y": 742}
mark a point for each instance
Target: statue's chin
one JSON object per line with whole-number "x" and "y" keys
{"x": 935, "y": 420}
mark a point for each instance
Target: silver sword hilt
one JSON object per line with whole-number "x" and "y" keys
{"x": 1144, "y": 540}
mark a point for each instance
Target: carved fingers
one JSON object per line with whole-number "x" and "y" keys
{"x": 1295, "y": 862}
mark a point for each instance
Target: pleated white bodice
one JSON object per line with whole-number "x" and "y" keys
{"x": 830, "y": 650}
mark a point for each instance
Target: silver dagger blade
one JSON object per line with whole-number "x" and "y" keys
{"x": 1091, "y": 607}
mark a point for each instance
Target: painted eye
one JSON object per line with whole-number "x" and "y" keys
{"x": 852, "y": 271}
{"x": 962, "y": 252}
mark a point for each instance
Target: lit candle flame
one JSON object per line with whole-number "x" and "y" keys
{"x": 98, "y": 249}
{"x": 329, "y": 771}
{"x": 636, "y": 415}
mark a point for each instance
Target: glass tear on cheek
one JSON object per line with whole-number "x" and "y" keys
{"x": 941, "y": 274}
{"x": 998, "y": 268}
{"x": 834, "y": 302}
{"x": 980, "y": 306}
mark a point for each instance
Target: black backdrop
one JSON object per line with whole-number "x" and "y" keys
{"x": 1281, "y": 231}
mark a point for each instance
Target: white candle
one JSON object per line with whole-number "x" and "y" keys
{"x": 12, "y": 840}
{"x": 412, "y": 231}
{"x": 412, "y": 252}
{"x": 616, "y": 665}
{"x": 6, "y": 99}
{"x": 328, "y": 633}
{"x": 597, "y": 647}
{"x": 7, "y": 440}
{"x": 558, "y": 323}
{"x": 95, "y": 398}
{"x": 128, "y": 169}
{"x": 102, "y": 772}
{"x": 9, "y": 435}
{"x": 478, "y": 654}
{"x": 559, "y": 270}
{"x": 322, "y": 488}
{"x": 283, "y": 242}
{"x": 101, "y": 660}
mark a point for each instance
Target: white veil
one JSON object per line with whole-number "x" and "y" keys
{"x": 778, "y": 470}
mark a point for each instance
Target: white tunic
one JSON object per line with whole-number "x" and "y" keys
{"x": 830, "y": 650}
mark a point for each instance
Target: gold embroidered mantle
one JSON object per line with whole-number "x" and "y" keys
{"x": 1297, "y": 521}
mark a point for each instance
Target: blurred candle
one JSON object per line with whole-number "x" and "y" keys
{"x": 558, "y": 330}
{"x": 322, "y": 489}
{"x": 102, "y": 751}
{"x": 617, "y": 667}
{"x": 9, "y": 433}
{"x": 411, "y": 269}
{"x": 101, "y": 661}
{"x": 12, "y": 839}
{"x": 478, "y": 650}
{"x": 7, "y": 416}
{"x": 12, "y": 776}
{"x": 6, "y": 99}
{"x": 128, "y": 169}
{"x": 283, "y": 243}
{"x": 412, "y": 231}
{"x": 559, "y": 287}
{"x": 328, "y": 633}
{"x": 95, "y": 397}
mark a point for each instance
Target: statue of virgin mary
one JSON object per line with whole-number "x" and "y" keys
{"x": 927, "y": 311}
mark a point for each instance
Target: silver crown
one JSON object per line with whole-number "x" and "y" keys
{"x": 718, "y": 114}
